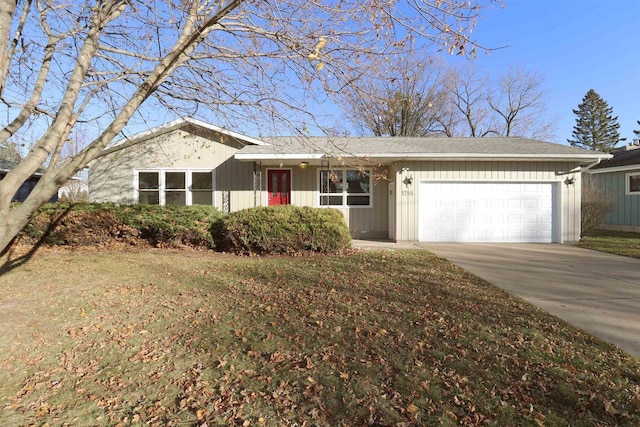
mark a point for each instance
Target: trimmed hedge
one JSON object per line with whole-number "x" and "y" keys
{"x": 78, "y": 224}
{"x": 187, "y": 225}
{"x": 261, "y": 230}
{"x": 283, "y": 229}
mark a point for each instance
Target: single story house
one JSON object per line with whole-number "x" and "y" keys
{"x": 402, "y": 189}
{"x": 619, "y": 179}
{"x": 6, "y": 166}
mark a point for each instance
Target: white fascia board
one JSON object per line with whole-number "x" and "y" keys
{"x": 230, "y": 133}
{"x": 175, "y": 124}
{"x": 469, "y": 156}
{"x": 427, "y": 156}
{"x": 615, "y": 169}
{"x": 241, "y": 156}
{"x": 149, "y": 132}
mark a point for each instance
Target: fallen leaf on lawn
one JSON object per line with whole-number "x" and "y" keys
{"x": 609, "y": 408}
{"x": 201, "y": 414}
{"x": 412, "y": 408}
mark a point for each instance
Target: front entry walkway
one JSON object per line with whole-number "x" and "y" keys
{"x": 598, "y": 292}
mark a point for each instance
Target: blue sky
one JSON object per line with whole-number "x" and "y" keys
{"x": 575, "y": 45}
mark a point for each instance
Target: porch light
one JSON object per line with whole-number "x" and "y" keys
{"x": 303, "y": 165}
{"x": 569, "y": 181}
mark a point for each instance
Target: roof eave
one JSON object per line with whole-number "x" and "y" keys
{"x": 179, "y": 123}
{"x": 615, "y": 169}
{"x": 259, "y": 157}
{"x": 392, "y": 157}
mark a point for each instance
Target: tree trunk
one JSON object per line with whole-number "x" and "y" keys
{"x": 10, "y": 226}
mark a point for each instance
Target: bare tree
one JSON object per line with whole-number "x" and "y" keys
{"x": 518, "y": 104}
{"x": 93, "y": 64}
{"x": 408, "y": 97}
{"x": 514, "y": 105}
{"x": 404, "y": 98}
{"x": 10, "y": 151}
{"x": 469, "y": 111}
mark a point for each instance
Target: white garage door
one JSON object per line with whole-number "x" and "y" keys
{"x": 486, "y": 212}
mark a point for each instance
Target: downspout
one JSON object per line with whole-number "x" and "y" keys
{"x": 595, "y": 163}
{"x": 581, "y": 168}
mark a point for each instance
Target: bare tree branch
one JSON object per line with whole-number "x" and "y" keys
{"x": 91, "y": 65}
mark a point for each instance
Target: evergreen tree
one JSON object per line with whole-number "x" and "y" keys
{"x": 596, "y": 128}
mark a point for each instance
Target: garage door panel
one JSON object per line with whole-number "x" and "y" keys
{"x": 494, "y": 212}
{"x": 463, "y": 219}
{"x": 546, "y": 219}
{"x": 514, "y": 219}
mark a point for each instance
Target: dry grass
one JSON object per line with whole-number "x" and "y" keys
{"x": 370, "y": 338}
{"x": 613, "y": 242}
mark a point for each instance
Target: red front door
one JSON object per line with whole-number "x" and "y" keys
{"x": 279, "y": 186}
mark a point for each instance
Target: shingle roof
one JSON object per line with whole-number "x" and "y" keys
{"x": 9, "y": 165}
{"x": 621, "y": 158}
{"x": 400, "y": 147}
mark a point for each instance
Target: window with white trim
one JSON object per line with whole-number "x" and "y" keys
{"x": 174, "y": 187}
{"x": 345, "y": 188}
{"x": 633, "y": 183}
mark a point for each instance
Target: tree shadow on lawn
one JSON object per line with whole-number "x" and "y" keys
{"x": 11, "y": 263}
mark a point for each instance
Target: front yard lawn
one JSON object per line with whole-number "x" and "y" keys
{"x": 368, "y": 338}
{"x": 614, "y": 242}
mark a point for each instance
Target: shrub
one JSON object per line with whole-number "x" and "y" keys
{"x": 283, "y": 229}
{"x": 595, "y": 205}
{"x": 171, "y": 225}
{"x": 83, "y": 224}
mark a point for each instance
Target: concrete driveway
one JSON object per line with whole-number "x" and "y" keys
{"x": 598, "y": 292}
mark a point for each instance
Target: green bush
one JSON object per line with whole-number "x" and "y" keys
{"x": 283, "y": 229}
{"x": 95, "y": 223}
{"x": 188, "y": 225}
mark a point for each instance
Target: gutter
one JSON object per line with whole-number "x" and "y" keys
{"x": 584, "y": 168}
{"x": 393, "y": 157}
{"x": 596, "y": 163}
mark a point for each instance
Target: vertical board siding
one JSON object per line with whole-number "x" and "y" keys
{"x": 407, "y": 215}
{"x": 366, "y": 222}
{"x": 626, "y": 211}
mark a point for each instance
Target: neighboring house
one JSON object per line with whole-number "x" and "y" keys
{"x": 619, "y": 179}
{"x": 24, "y": 190}
{"x": 403, "y": 189}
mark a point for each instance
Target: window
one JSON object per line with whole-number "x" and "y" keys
{"x": 202, "y": 188}
{"x": 148, "y": 188}
{"x": 633, "y": 183}
{"x": 345, "y": 187}
{"x": 174, "y": 187}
